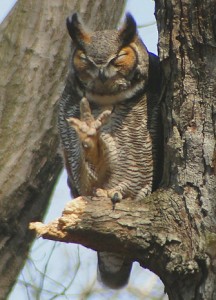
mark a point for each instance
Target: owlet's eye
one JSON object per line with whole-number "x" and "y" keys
{"x": 82, "y": 56}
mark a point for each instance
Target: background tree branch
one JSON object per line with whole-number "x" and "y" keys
{"x": 34, "y": 47}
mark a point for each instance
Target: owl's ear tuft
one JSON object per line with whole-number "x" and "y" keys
{"x": 128, "y": 31}
{"x": 76, "y": 30}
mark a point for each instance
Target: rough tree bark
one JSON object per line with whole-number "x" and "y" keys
{"x": 187, "y": 31}
{"x": 173, "y": 231}
{"x": 34, "y": 48}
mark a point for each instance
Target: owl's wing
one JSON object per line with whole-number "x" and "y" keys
{"x": 68, "y": 106}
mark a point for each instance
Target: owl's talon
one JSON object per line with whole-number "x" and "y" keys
{"x": 114, "y": 195}
{"x": 116, "y": 198}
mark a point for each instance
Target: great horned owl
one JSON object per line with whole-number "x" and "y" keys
{"x": 109, "y": 122}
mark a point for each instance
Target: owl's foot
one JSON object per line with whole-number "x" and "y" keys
{"x": 87, "y": 128}
{"x": 113, "y": 194}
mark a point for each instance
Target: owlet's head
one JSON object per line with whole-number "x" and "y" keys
{"x": 110, "y": 65}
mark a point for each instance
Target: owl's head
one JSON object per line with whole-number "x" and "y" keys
{"x": 110, "y": 65}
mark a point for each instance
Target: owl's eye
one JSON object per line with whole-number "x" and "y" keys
{"x": 125, "y": 61}
{"x": 120, "y": 57}
{"x": 80, "y": 60}
{"x": 122, "y": 54}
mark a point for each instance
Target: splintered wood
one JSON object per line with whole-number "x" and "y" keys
{"x": 70, "y": 218}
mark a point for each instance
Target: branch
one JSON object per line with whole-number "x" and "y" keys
{"x": 154, "y": 232}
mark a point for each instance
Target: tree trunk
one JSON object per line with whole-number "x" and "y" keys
{"x": 173, "y": 231}
{"x": 34, "y": 47}
{"x": 188, "y": 53}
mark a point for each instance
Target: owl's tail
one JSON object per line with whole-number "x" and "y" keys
{"x": 113, "y": 269}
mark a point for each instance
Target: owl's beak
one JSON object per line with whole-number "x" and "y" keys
{"x": 102, "y": 75}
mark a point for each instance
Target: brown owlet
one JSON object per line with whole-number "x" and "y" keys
{"x": 109, "y": 123}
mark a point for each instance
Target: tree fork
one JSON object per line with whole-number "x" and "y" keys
{"x": 155, "y": 232}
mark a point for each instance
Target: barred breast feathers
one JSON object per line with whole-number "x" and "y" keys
{"x": 109, "y": 123}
